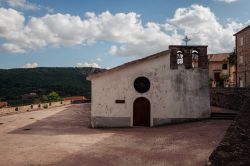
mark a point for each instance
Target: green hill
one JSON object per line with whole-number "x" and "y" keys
{"x": 17, "y": 84}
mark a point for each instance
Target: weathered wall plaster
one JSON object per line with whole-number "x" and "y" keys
{"x": 174, "y": 94}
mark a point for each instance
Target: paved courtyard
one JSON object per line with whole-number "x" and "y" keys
{"x": 61, "y": 136}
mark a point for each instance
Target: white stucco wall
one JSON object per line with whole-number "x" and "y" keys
{"x": 173, "y": 93}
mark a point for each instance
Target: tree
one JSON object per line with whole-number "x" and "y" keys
{"x": 232, "y": 58}
{"x": 53, "y": 96}
{"x": 223, "y": 78}
{"x": 44, "y": 98}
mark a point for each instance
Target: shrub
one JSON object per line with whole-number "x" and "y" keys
{"x": 45, "y": 106}
{"x": 53, "y": 96}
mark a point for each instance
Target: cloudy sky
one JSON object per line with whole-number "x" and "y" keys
{"x": 63, "y": 33}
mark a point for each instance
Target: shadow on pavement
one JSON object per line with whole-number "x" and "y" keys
{"x": 75, "y": 119}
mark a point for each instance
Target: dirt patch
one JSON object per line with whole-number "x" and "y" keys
{"x": 235, "y": 146}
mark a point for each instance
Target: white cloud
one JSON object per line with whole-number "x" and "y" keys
{"x": 227, "y": 1}
{"x": 11, "y": 23}
{"x": 23, "y": 4}
{"x": 11, "y": 48}
{"x": 203, "y": 27}
{"x": 125, "y": 30}
{"x": 86, "y": 64}
{"x": 30, "y": 65}
{"x": 99, "y": 59}
{"x": 113, "y": 49}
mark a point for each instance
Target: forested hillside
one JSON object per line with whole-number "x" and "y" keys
{"x": 24, "y": 86}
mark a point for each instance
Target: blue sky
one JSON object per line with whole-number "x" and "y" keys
{"x": 41, "y": 33}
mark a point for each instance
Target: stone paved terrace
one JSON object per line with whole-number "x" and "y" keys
{"x": 60, "y": 136}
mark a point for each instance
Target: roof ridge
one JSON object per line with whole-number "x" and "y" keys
{"x": 243, "y": 29}
{"x": 156, "y": 55}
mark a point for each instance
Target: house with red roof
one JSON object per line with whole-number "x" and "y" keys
{"x": 3, "y": 104}
{"x": 221, "y": 73}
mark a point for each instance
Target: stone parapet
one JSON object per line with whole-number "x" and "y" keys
{"x": 34, "y": 107}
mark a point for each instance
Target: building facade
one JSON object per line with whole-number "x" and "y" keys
{"x": 167, "y": 87}
{"x": 242, "y": 41}
{"x": 221, "y": 73}
{"x": 3, "y": 104}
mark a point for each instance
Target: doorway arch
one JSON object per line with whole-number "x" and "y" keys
{"x": 141, "y": 112}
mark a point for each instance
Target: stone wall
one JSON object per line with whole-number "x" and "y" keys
{"x": 234, "y": 149}
{"x": 34, "y": 107}
{"x": 231, "y": 98}
{"x": 243, "y": 57}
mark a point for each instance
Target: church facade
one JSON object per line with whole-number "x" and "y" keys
{"x": 168, "y": 87}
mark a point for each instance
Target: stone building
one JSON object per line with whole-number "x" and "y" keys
{"x": 242, "y": 41}
{"x": 167, "y": 87}
{"x": 220, "y": 68}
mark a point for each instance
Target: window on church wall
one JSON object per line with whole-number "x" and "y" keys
{"x": 179, "y": 57}
{"x": 195, "y": 58}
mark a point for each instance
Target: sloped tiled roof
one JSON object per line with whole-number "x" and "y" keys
{"x": 218, "y": 57}
{"x": 74, "y": 98}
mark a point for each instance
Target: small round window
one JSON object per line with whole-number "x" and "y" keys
{"x": 141, "y": 84}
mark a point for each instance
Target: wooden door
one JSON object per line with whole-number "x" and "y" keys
{"x": 141, "y": 112}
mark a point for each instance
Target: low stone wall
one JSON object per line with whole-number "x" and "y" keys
{"x": 230, "y": 98}
{"x": 34, "y": 107}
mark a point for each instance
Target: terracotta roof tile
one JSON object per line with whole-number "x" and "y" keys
{"x": 3, "y": 104}
{"x": 217, "y": 57}
{"x": 74, "y": 98}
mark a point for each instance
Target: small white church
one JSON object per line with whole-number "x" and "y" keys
{"x": 168, "y": 87}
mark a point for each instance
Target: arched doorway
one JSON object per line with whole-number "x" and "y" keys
{"x": 141, "y": 112}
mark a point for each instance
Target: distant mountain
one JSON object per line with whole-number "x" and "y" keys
{"x": 24, "y": 86}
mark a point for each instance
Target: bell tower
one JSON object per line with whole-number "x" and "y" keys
{"x": 190, "y": 56}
